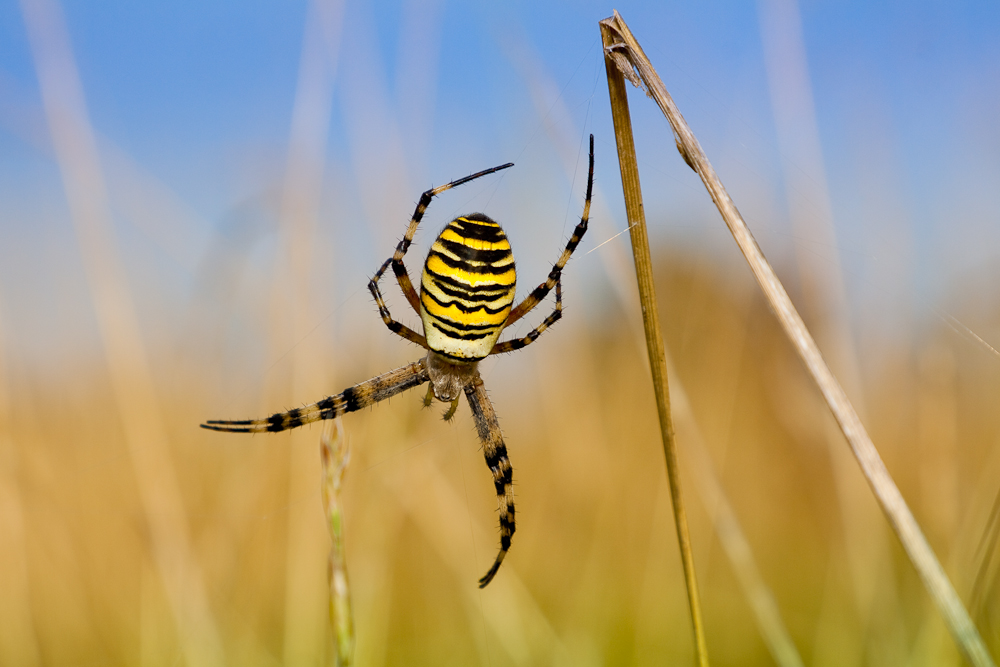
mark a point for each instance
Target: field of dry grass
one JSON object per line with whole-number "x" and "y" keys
{"x": 593, "y": 577}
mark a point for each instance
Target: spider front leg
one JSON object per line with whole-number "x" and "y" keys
{"x": 518, "y": 343}
{"x": 395, "y": 327}
{"x": 398, "y": 268}
{"x": 495, "y": 451}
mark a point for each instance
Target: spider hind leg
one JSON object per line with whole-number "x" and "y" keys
{"x": 518, "y": 343}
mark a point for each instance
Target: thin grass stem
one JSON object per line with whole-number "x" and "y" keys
{"x": 622, "y": 49}
{"x": 651, "y": 326}
{"x": 335, "y": 456}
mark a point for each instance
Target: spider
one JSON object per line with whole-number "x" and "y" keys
{"x": 466, "y": 294}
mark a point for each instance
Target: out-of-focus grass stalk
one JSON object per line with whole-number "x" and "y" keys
{"x": 731, "y": 536}
{"x": 291, "y": 316}
{"x": 335, "y": 455}
{"x": 131, "y": 377}
{"x": 651, "y": 325}
{"x": 986, "y": 555}
{"x": 623, "y": 49}
{"x": 527, "y": 629}
{"x": 18, "y": 636}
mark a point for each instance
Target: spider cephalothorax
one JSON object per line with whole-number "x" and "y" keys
{"x": 466, "y": 294}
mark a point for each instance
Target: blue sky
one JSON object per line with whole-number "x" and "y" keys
{"x": 199, "y": 97}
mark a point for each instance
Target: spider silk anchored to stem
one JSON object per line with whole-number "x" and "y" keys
{"x": 466, "y": 294}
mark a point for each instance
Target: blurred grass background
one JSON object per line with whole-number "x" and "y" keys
{"x": 253, "y": 167}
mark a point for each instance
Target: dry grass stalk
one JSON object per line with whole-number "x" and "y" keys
{"x": 624, "y": 51}
{"x": 335, "y": 455}
{"x": 138, "y": 406}
{"x": 651, "y": 327}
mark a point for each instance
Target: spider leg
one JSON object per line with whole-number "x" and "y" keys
{"x": 543, "y": 289}
{"x": 495, "y": 451}
{"x": 351, "y": 399}
{"x": 395, "y": 327}
{"x": 398, "y": 268}
{"x": 518, "y": 343}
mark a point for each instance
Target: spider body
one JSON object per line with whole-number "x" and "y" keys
{"x": 465, "y": 303}
{"x": 467, "y": 288}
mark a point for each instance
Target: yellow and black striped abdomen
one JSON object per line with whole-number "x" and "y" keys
{"x": 467, "y": 288}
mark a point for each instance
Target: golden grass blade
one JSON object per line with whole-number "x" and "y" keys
{"x": 335, "y": 455}
{"x": 651, "y": 326}
{"x": 628, "y": 54}
{"x": 128, "y": 365}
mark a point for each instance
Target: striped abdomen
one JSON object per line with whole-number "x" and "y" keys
{"x": 467, "y": 288}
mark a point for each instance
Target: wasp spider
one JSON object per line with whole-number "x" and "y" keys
{"x": 465, "y": 299}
